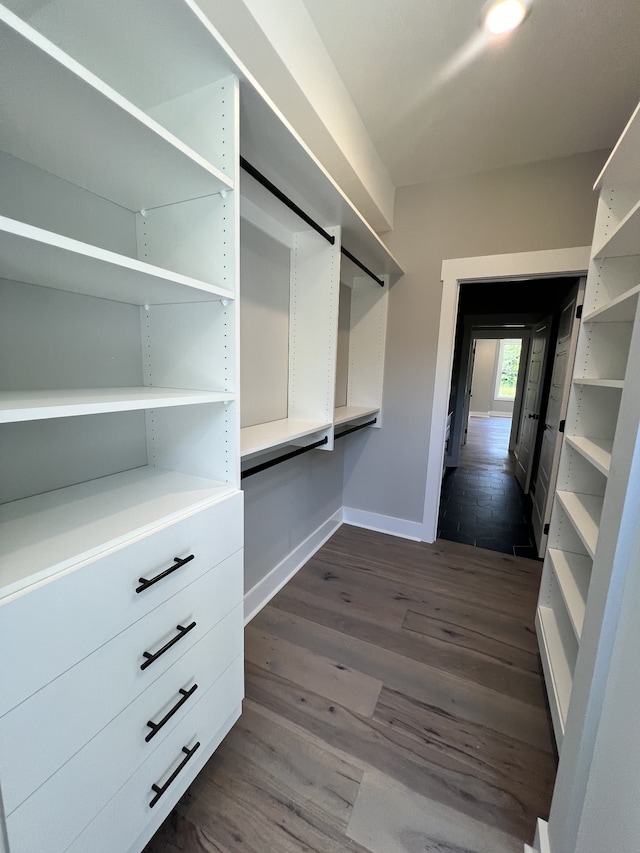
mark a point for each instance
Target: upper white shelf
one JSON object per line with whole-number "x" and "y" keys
{"x": 18, "y": 406}
{"x": 271, "y": 145}
{"x": 623, "y": 166}
{"x": 36, "y": 256}
{"x": 263, "y": 437}
{"x": 60, "y": 117}
{"x": 595, "y": 450}
{"x": 584, "y": 512}
{"x": 625, "y": 238}
{"x": 48, "y": 533}
{"x": 573, "y": 572}
{"x": 622, "y": 309}
{"x": 346, "y": 414}
{"x": 599, "y": 383}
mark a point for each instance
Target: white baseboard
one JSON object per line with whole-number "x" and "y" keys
{"x": 541, "y": 843}
{"x": 262, "y": 593}
{"x": 542, "y": 837}
{"x": 500, "y": 414}
{"x": 383, "y": 523}
{"x": 478, "y": 414}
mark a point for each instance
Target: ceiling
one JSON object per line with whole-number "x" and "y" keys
{"x": 438, "y": 100}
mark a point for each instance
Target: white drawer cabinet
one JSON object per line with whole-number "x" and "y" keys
{"x": 128, "y": 820}
{"x": 115, "y": 660}
{"x": 89, "y": 695}
{"x": 77, "y": 612}
{"x": 95, "y": 773}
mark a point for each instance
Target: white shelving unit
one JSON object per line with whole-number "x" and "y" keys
{"x": 120, "y": 442}
{"x": 361, "y": 346}
{"x": 119, "y": 413}
{"x": 293, "y": 358}
{"x": 291, "y": 292}
{"x": 594, "y": 465}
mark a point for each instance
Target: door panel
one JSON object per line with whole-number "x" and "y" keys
{"x": 556, "y": 410}
{"x": 532, "y": 401}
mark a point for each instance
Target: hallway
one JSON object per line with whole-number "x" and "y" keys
{"x": 481, "y": 502}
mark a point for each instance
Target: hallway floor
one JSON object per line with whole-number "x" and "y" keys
{"x": 481, "y": 502}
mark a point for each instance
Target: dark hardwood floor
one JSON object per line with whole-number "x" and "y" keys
{"x": 481, "y": 502}
{"x": 394, "y": 702}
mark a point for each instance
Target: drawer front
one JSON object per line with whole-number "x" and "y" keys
{"x": 128, "y": 818}
{"x": 38, "y": 736}
{"x": 50, "y": 628}
{"x": 61, "y": 808}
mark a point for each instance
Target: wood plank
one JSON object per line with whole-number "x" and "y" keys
{"x": 524, "y": 770}
{"x": 432, "y": 686}
{"x": 389, "y": 817}
{"x": 441, "y": 654}
{"x": 370, "y": 744}
{"x": 467, "y": 629}
{"x": 266, "y": 789}
{"x": 330, "y": 678}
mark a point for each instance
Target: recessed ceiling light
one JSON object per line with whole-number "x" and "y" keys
{"x": 504, "y": 16}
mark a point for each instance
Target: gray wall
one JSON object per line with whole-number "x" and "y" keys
{"x": 483, "y": 376}
{"x": 483, "y": 399}
{"x": 287, "y": 503}
{"x": 546, "y": 205}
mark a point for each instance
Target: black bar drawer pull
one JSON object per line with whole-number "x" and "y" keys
{"x": 151, "y": 657}
{"x": 159, "y": 791}
{"x": 178, "y": 562}
{"x": 155, "y": 727}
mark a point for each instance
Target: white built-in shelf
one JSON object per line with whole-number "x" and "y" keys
{"x": 346, "y": 414}
{"x": 17, "y": 406}
{"x": 623, "y": 165}
{"x": 263, "y": 437}
{"x": 48, "y": 533}
{"x": 573, "y": 572}
{"x": 558, "y": 669}
{"x": 36, "y": 256}
{"x": 596, "y": 450}
{"x": 270, "y": 144}
{"x": 599, "y": 383}
{"x": 622, "y": 309}
{"x": 105, "y": 144}
{"x": 625, "y": 238}
{"x": 584, "y": 511}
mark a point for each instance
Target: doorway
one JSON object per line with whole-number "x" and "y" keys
{"x": 521, "y": 266}
{"x": 481, "y": 502}
{"x": 491, "y": 468}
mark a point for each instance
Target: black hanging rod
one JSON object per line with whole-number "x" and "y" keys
{"x": 270, "y": 464}
{"x": 358, "y": 263}
{"x": 273, "y": 189}
{"x": 355, "y": 428}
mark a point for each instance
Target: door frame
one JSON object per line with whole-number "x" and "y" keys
{"x": 517, "y": 266}
{"x": 484, "y": 327}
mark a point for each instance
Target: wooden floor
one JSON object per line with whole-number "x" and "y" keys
{"x": 394, "y": 702}
{"x": 487, "y": 446}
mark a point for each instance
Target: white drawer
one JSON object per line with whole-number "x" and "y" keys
{"x": 59, "y": 810}
{"x": 128, "y": 817}
{"x": 48, "y": 629}
{"x": 38, "y": 736}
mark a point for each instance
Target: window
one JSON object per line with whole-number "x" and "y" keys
{"x": 507, "y": 369}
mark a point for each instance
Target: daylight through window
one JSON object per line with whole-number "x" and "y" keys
{"x": 507, "y": 369}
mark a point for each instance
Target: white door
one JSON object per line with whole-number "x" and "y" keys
{"x": 526, "y": 442}
{"x": 545, "y": 482}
